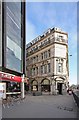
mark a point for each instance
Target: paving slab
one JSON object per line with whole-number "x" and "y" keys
{"x": 45, "y": 106}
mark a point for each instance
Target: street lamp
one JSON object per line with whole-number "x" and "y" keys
{"x": 70, "y": 55}
{"x": 69, "y": 65}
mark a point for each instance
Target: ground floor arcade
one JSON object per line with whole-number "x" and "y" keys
{"x": 58, "y": 85}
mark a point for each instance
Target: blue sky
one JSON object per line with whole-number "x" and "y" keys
{"x": 43, "y": 15}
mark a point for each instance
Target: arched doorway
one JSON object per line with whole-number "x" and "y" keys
{"x": 34, "y": 85}
{"x": 45, "y": 85}
{"x": 60, "y": 85}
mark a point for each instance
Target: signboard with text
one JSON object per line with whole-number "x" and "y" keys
{"x": 9, "y": 77}
{"x": 2, "y": 90}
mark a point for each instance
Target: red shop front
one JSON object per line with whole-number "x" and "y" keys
{"x": 12, "y": 83}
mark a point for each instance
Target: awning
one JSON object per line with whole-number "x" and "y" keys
{"x": 10, "y": 77}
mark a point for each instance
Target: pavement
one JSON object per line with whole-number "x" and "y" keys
{"x": 45, "y": 106}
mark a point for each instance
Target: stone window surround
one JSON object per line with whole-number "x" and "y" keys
{"x": 59, "y": 61}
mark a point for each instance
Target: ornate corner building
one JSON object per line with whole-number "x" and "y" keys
{"x": 47, "y": 62}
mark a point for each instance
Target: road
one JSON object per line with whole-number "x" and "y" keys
{"x": 45, "y": 106}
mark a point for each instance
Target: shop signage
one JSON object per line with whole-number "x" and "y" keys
{"x": 2, "y": 90}
{"x": 9, "y": 77}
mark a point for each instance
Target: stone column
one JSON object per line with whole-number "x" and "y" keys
{"x": 39, "y": 87}
{"x": 30, "y": 88}
{"x": 56, "y": 88}
{"x": 51, "y": 88}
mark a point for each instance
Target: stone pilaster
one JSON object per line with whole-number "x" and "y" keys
{"x": 52, "y": 88}
{"x": 56, "y": 88}
{"x": 30, "y": 88}
{"x": 39, "y": 87}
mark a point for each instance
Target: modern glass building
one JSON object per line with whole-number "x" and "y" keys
{"x": 13, "y": 37}
{"x": 0, "y": 36}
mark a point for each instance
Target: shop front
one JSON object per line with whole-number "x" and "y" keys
{"x": 12, "y": 83}
{"x": 45, "y": 85}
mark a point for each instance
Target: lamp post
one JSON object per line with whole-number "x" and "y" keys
{"x": 69, "y": 66}
{"x": 22, "y": 87}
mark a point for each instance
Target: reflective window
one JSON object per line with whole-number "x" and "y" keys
{"x": 49, "y": 68}
{"x": 45, "y": 69}
{"x": 13, "y": 36}
{"x": 0, "y": 38}
{"x": 41, "y": 69}
{"x": 59, "y": 66}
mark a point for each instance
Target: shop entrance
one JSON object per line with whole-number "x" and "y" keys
{"x": 45, "y": 86}
{"x": 59, "y": 87}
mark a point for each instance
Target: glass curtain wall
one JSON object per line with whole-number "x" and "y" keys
{"x": 0, "y": 35}
{"x": 13, "y": 36}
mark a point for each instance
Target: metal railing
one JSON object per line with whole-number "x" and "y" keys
{"x": 76, "y": 97}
